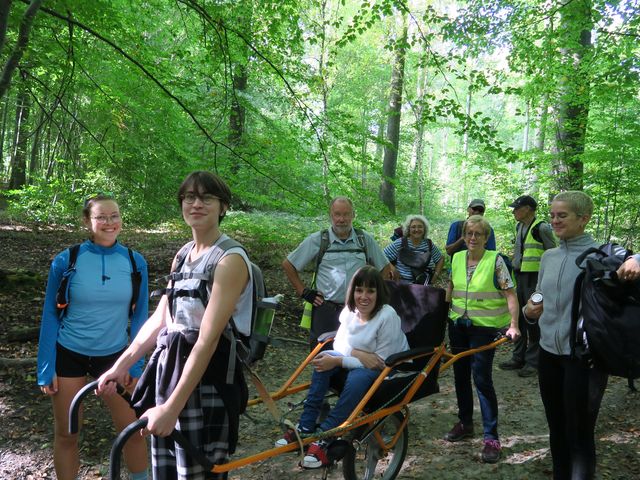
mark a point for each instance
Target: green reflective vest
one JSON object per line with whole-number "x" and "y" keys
{"x": 482, "y": 302}
{"x": 532, "y": 251}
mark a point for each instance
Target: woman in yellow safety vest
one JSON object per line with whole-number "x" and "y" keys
{"x": 483, "y": 301}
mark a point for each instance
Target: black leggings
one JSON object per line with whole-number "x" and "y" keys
{"x": 571, "y": 394}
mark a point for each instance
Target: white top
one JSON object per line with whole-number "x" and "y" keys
{"x": 381, "y": 335}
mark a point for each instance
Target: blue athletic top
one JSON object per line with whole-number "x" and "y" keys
{"x": 96, "y": 320}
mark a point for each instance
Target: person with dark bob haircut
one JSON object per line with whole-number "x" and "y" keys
{"x": 192, "y": 382}
{"x": 367, "y": 323}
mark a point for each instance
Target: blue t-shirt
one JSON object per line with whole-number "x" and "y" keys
{"x": 96, "y": 321}
{"x": 455, "y": 232}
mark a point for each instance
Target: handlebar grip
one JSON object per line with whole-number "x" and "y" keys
{"x": 116, "y": 449}
{"x": 74, "y": 408}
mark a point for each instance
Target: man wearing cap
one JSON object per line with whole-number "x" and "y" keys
{"x": 533, "y": 237}
{"x": 455, "y": 240}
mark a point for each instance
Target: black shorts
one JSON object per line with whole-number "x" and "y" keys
{"x": 72, "y": 364}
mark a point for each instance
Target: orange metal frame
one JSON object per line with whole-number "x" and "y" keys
{"x": 358, "y": 418}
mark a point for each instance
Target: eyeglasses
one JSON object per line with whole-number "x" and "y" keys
{"x": 115, "y": 218}
{"x": 206, "y": 198}
{"x": 474, "y": 234}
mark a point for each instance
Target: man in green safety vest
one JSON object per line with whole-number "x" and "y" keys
{"x": 533, "y": 237}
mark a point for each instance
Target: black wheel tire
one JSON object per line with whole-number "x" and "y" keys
{"x": 368, "y": 462}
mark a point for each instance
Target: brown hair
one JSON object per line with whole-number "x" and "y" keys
{"x": 91, "y": 201}
{"x": 368, "y": 276}
{"x": 202, "y": 182}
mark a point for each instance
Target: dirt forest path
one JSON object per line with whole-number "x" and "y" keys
{"x": 26, "y": 424}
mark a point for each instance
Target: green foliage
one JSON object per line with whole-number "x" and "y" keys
{"x": 128, "y": 97}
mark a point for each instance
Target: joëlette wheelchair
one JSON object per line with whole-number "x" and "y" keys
{"x": 373, "y": 441}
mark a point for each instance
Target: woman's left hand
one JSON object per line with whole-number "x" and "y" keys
{"x": 629, "y": 270}
{"x": 161, "y": 421}
{"x": 513, "y": 333}
{"x": 324, "y": 362}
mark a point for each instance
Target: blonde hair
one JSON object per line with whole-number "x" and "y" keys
{"x": 579, "y": 202}
{"x": 479, "y": 220}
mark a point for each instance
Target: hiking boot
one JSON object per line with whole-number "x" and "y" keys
{"x": 527, "y": 371}
{"x": 491, "y": 451}
{"x": 316, "y": 456}
{"x": 511, "y": 365}
{"x": 459, "y": 432}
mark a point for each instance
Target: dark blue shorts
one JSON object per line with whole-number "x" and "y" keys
{"x": 73, "y": 364}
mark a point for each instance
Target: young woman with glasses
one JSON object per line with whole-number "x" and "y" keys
{"x": 190, "y": 334}
{"x": 89, "y": 334}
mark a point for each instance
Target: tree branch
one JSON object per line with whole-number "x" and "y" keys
{"x": 21, "y": 44}
{"x": 166, "y": 91}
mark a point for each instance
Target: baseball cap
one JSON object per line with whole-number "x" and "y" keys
{"x": 524, "y": 200}
{"x": 477, "y": 203}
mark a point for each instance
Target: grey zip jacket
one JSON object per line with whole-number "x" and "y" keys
{"x": 558, "y": 273}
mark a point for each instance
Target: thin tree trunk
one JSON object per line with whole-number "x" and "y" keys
{"x": 389, "y": 165}
{"x": 19, "y": 159}
{"x": 573, "y": 103}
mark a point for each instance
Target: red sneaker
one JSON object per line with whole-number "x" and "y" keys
{"x": 316, "y": 456}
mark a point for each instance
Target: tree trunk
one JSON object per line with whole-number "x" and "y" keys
{"x": 419, "y": 138}
{"x": 574, "y": 90}
{"x": 389, "y": 165}
{"x": 23, "y": 39}
{"x": 237, "y": 113}
{"x": 19, "y": 159}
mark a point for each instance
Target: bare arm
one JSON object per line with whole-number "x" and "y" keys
{"x": 230, "y": 279}
{"x": 512, "y": 303}
{"x": 389, "y": 272}
{"x": 438, "y": 270}
{"x": 453, "y": 247}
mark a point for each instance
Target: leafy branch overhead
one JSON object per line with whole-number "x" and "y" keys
{"x": 296, "y": 101}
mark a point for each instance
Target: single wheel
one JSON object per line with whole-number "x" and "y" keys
{"x": 368, "y": 460}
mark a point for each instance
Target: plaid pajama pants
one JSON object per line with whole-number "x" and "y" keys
{"x": 204, "y": 422}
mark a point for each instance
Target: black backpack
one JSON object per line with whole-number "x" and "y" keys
{"x": 606, "y": 313}
{"x": 62, "y": 296}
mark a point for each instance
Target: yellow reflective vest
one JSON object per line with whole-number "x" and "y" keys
{"x": 532, "y": 251}
{"x": 482, "y": 302}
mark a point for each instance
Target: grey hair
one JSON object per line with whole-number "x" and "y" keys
{"x": 411, "y": 218}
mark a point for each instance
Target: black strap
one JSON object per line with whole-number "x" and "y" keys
{"x": 575, "y": 312}
{"x": 324, "y": 246}
{"x": 62, "y": 298}
{"x": 136, "y": 282}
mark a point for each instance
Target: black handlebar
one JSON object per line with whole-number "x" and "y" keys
{"x": 74, "y": 408}
{"x": 116, "y": 450}
{"x": 121, "y": 439}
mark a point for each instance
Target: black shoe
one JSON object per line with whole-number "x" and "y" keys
{"x": 459, "y": 432}
{"x": 527, "y": 371}
{"x": 511, "y": 365}
{"x": 491, "y": 451}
